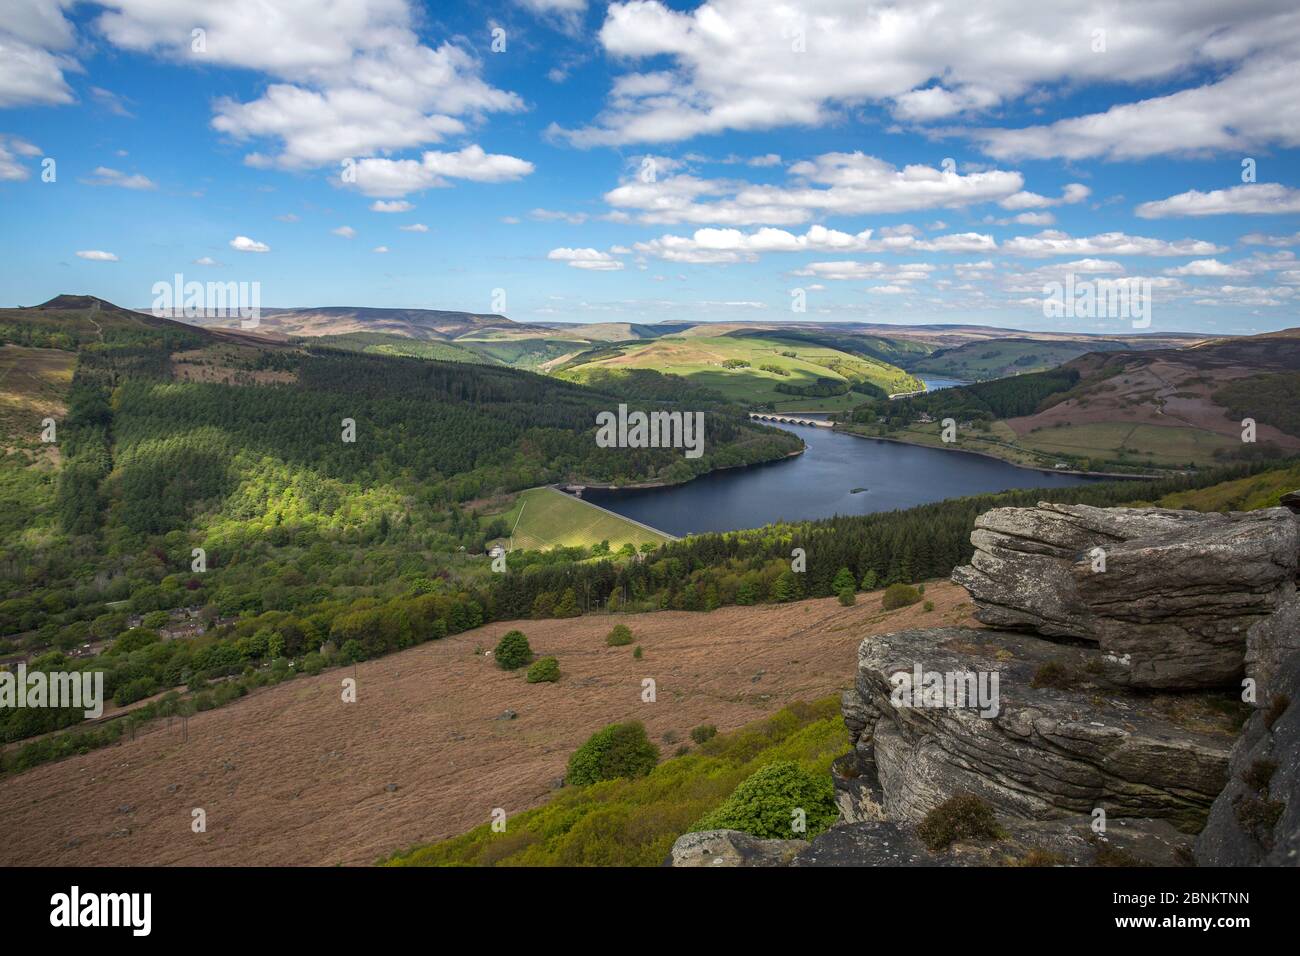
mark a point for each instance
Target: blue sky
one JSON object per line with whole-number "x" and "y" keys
{"x": 645, "y": 161}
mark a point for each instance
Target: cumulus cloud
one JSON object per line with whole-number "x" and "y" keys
{"x": 96, "y": 255}
{"x": 397, "y": 177}
{"x": 732, "y": 245}
{"x": 1051, "y": 242}
{"x": 106, "y": 176}
{"x": 749, "y": 64}
{"x": 11, "y": 149}
{"x": 245, "y": 244}
{"x": 1264, "y": 239}
{"x": 347, "y": 232}
{"x": 397, "y": 205}
{"x": 206, "y": 261}
{"x": 1073, "y": 193}
{"x": 1248, "y": 198}
{"x": 1206, "y": 267}
{"x": 353, "y": 77}
{"x": 851, "y": 269}
{"x": 414, "y": 227}
{"x": 35, "y": 40}
{"x": 1254, "y": 107}
{"x": 591, "y": 259}
{"x": 842, "y": 184}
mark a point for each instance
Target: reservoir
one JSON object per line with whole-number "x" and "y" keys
{"x": 821, "y": 483}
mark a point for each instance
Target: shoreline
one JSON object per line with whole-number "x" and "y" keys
{"x": 564, "y": 486}
{"x": 1005, "y": 461}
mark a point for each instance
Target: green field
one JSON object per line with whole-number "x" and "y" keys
{"x": 702, "y": 360}
{"x": 1124, "y": 441}
{"x": 981, "y": 361}
{"x": 545, "y": 518}
{"x": 1098, "y": 447}
{"x": 381, "y": 343}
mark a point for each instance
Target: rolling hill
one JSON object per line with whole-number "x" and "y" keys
{"x": 1156, "y": 409}
{"x": 784, "y": 372}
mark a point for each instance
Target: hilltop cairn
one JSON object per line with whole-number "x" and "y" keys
{"x": 1100, "y": 715}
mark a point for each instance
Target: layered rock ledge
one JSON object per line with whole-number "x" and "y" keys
{"x": 1169, "y": 596}
{"x": 1067, "y": 746}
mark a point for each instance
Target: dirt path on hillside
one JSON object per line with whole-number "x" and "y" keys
{"x": 291, "y": 775}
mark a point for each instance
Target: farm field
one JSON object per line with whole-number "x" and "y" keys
{"x": 422, "y": 755}
{"x": 701, "y": 360}
{"x": 1141, "y": 443}
{"x": 546, "y": 518}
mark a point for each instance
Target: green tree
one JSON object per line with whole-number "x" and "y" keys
{"x": 619, "y": 750}
{"x": 843, "y": 579}
{"x": 512, "y": 651}
{"x": 545, "y": 670}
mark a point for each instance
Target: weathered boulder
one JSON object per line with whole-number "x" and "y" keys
{"x": 1065, "y": 747}
{"x": 1270, "y": 642}
{"x": 731, "y": 848}
{"x": 1068, "y": 842}
{"x": 1256, "y": 819}
{"x": 1168, "y": 595}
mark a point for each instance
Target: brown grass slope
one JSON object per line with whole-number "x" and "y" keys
{"x": 292, "y": 775}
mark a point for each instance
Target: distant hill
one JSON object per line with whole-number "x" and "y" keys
{"x": 425, "y": 324}
{"x": 1167, "y": 408}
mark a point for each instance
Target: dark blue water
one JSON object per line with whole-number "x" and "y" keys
{"x": 933, "y": 384}
{"x": 820, "y": 482}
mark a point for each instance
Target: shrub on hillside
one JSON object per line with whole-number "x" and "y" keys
{"x": 619, "y": 750}
{"x": 619, "y": 636}
{"x": 544, "y": 671}
{"x": 766, "y": 804}
{"x": 704, "y": 733}
{"x": 512, "y": 651}
{"x": 848, "y": 597}
{"x": 843, "y": 579}
{"x": 962, "y": 817}
{"x": 899, "y": 595}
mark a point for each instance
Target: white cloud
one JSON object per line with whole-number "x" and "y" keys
{"x": 1254, "y": 107}
{"x": 11, "y": 147}
{"x": 414, "y": 227}
{"x": 111, "y": 101}
{"x": 97, "y": 255}
{"x": 592, "y": 259}
{"x": 354, "y": 78}
{"x": 347, "y": 232}
{"x": 206, "y": 261}
{"x": 750, "y": 64}
{"x": 850, "y": 270}
{"x": 1264, "y": 239}
{"x": 1206, "y": 267}
{"x": 106, "y": 176}
{"x": 288, "y": 217}
{"x": 34, "y": 40}
{"x": 552, "y": 215}
{"x": 397, "y": 177}
{"x": 380, "y": 249}
{"x": 842, "y": 184}
{"x": 1052, "y": 242}
{"x": 1073, "y": 193}
{"x": 732, "y": 245}
{"x": 1248, "y": 198}
{"x": 244, "y": 244}
{"x": 397, "y": 205}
